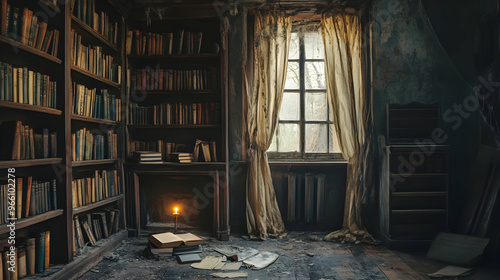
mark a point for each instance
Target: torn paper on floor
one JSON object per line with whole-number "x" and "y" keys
{"x": 451, "y": 271}
{"x": 229, "y": 274}
{"x": 261, "y": 260}
{"x": 210, "y": 262}
{"x": 237, "y": 254}
{"x": 231, "y": 266}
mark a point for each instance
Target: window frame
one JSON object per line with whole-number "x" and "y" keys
{"x": 302, "y": 155}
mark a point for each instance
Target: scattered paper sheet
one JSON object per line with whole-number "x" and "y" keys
{"x": 261, "y": 260}
{"x": 451, "y": 271}
{"x": 209, "y": 262}
{"x": 229, "y": 274}
{"x": 237, "y": 254}
{"x": 232, "y": 266}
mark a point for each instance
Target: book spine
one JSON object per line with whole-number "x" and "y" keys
{"x": 40, "y": 252}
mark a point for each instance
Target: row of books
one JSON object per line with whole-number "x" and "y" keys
{"x": 148, "y": 43}
{"x": 21, "y": 85}
{"x": 87, "y": 102}
{"x": 32, "y": 198}
{"x": 172, "y": 79}
{"x": 204, "y": 151}
{"x": 92, "y": 59}
{"x": 32, "y": 255}
{"x": 175, "y": 114}
{"x": 28, "y": 29}
{"x": 104, "y": 184}
{"x": 92, "y": 227}
{"x": 87, "y": 145}
{"x": 161, "y": 146}
{"x": 20, "y": 141}
{"x": 99, "y": 21}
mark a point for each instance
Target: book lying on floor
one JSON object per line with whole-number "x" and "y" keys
{"x": 189, "y": 258}
{"x": 168, "y": 239}
{"x": 174, "y": 251}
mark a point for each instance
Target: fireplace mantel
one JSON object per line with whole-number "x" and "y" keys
{"x": 214, "y": 169}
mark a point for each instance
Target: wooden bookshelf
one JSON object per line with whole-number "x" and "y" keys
{"x": 94, "y": 76}
{"x": 16, "y": 45}
{"x": 185, "y": 126}
{"x": 186, "y": 134}
{"x": 28, "y": 107}
{"x": 94, "y": 120}
{"x": 93, "y": 162}
{"x": 90, "y": 31}
{"x": 29, "y": 162}
{"x": 51, "y": 5}
{"x": 79, "y": 210}
{"x": 26, "y": 222}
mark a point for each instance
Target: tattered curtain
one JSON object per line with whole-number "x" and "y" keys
{"x": 272, "y": 33}
{"x": 351, "y": 115}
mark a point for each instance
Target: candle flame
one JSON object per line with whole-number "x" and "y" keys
{"x": 176, "y": 210}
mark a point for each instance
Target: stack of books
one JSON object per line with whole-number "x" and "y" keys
{"x": 181, "y": 157}
{"x": 186, "y": 246}
{"x": 147, "y": 157}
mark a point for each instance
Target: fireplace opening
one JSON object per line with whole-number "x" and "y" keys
{"x": 192, "y": 195}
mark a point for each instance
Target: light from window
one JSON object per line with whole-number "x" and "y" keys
{"x": 304, "y": 126}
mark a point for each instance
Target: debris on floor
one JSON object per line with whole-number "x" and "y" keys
{"x": 261, "y": 260}
{"x": 451, "y": 271}
{"x": 229, "y": 274}
{"x": 308, "y": 253}
{"x": 237, "y": 253}
{"x": 210, "y": 262}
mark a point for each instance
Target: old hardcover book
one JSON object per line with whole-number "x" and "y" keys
{"x": 40, "y": 252}
{"x": 28, "y": 197}
{"x": 168, "y": 239}
{"x": 19, "y": 198}
{"x": 30, "y": 256}
{"x": 21, "y": 261}
{"x": 47, "y": 250}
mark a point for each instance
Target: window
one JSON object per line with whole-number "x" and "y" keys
{"x": 305, "y": 128}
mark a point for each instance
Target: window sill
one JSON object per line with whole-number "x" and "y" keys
{"x": 308, "y": 163}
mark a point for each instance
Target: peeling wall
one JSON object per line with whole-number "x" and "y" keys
{"x": 409, "y": 65}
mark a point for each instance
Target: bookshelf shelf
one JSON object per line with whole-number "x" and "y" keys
{"x": 93, "y": 162}
{"x": 94, "y": 120}
{"x": 18, "y": 45}
{"x": 28, "y": 162}
{"x": 211, "y": 93}
{"x": 51, "y": 5}
{"x": 94, "y": 205}
{"x": 94, "y": 76}
{"x": 172, "y": 56}
{"x": 89, "y": 30}
{"x": 178, "y": 126}
{"x": 27, "y": 107}
{"x": 26, "y": 222}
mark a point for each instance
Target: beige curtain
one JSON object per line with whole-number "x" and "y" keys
{"x": 351, "y": 116}
{"x": 272, "y": 33}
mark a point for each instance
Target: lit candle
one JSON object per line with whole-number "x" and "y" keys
{"x": 176, "y": 211}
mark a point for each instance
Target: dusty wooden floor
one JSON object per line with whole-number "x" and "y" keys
{"x": 330, "y": 261}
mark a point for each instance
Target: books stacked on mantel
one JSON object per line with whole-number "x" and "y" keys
{"x": 181, "y": 157}
{"x": 148, "y": 157}
{"x": 185, "y": 246}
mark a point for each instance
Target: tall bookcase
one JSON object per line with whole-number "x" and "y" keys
{"x": 194, "y": 75}
{"x": 64, "y": 120}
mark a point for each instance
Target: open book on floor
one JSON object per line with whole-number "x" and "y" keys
{"x": 168, "y": 239}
